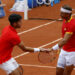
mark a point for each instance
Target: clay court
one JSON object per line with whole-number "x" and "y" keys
{"x": 37, "y": 33}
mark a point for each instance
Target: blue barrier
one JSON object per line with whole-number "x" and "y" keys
{"x": 56, "y": 1}
{"x": 2, "y": 12}
{"x": 52, "y": 4}
{"x": 33, "y": 3}
{"x": 30, "y": 4}
{"x": 40, "y": 0}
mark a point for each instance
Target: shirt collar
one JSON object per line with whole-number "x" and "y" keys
{"x": 70, "y": 19}
{"x": 12, "y": 28}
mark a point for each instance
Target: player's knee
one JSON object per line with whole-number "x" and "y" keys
{"x": 59, "y": 71}
{"x": 69, "y": 68}
{"x": 17, "y": 72}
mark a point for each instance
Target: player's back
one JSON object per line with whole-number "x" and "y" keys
{"x": 8, "y": 40}
{"x": 5, "y": 40}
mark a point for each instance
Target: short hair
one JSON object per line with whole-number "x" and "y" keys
{"x": 67, "y": 7}
{"x": 13, "y": 18}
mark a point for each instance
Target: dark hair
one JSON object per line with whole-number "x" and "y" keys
{"x": 14, "y": 18}
{"x": 67, "y": 7}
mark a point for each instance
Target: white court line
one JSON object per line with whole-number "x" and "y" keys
{"x": 23, "y": 32}
{"x": 38, "y": 47}
{"x": 25, "y": 53}
{"x": 50, "y": 43}
{"x": 34, "y": 29}
{"x": 39, "y": 66}
{"x": 28, "y": 65}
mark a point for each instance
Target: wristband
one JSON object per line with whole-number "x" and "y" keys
{"x": 36, "y": 50}
{"x": 56, "y": 47}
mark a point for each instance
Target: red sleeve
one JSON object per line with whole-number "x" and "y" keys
{"x": 70, "y": 29}
{"x": 15, "y": 40}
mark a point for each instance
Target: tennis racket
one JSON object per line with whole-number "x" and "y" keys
{"x": 47, "y": 57}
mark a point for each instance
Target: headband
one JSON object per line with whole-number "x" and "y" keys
{"x": 65, "y": 10}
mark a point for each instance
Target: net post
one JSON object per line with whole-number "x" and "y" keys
{"x": 25, "y": 9}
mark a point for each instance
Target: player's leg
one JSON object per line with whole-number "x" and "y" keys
{"x": 61, "y": 63}
{"x": 59, "y": 71}
{"x": 12, "y": 67}
{"x": 68, "y": 70}
{"x": 70, "y": 63}
{"x": 18, "y": 71}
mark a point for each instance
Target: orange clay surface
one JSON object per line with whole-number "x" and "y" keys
{"x": 37, "y": 33}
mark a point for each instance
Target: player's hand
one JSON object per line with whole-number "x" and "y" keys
{"x": 44, "y": 50}
{"x": 54, "y": 51}
{"x": 50, "y": 49}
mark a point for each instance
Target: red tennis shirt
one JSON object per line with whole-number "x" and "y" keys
{"x": 69, "y": 28}
{"x": 8, "y": 40}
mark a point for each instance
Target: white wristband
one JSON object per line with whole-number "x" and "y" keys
{"x": 36, "y": 50}
{"x": 56, "y": 47}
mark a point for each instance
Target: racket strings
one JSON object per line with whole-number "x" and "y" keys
{"x": 53, "y": 55}
{"x": 45, "y": 57}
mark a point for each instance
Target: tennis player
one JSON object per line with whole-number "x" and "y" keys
{"x": 8, "y": 40}
{"x": 66, "y": 61}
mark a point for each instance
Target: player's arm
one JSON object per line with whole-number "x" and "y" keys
{"x": 66, "y": 38}
{"x": 29, "y": 49}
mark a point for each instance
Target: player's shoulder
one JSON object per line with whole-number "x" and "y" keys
{"x": 73, "y": 21}
{"x": 8, "y": 31}
{"x": 72, "y": 24}
{"x": 5, "y": 30}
